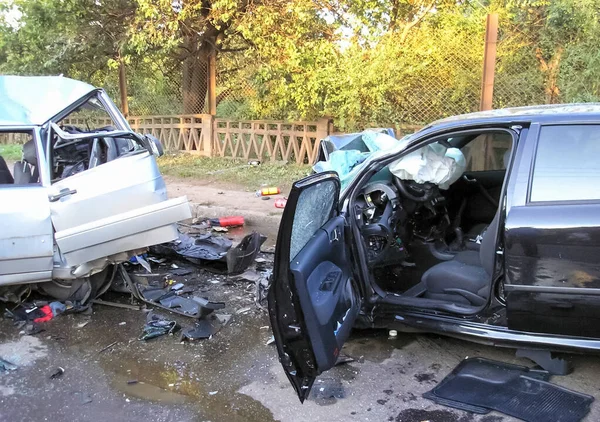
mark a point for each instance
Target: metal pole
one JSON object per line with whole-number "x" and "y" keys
{"x": 212, "y": 83}
{"x": 123, "y": 89}
{"x": 489, "y": 62}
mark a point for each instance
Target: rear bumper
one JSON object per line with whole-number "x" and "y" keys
{"x": 131, "y": 230}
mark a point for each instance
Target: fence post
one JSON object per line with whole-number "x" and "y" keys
{"x": 489, "y": 62}
{"x": 208, "y": 134}
{"x": 123, "y": 89}
{"x": 212, "y": 83}
{"x": 322, "y": 128}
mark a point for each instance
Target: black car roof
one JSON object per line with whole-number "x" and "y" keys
{"x": 516, "y": 115}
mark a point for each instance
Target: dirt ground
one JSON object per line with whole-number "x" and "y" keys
{"x": 235, "y": 375}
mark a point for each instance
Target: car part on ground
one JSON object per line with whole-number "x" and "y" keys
{"x": 167, "y": 299}
{"x": 214, "y": 253}
{"x": 479, "y": 385}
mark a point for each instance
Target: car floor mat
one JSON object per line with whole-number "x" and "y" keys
{"x": 469, "y": 365}
{"x": 477, "y": 384}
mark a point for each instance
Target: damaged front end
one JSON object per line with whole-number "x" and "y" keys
{"x": 86, "y": 196}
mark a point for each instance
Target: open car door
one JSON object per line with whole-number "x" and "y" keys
{"x": 107, "y": 195}
{"x": 313, "y": 298}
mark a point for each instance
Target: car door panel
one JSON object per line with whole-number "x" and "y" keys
{"x": 552, "y": 248}
{"x": 313, "y": 300}
{"x": 26, "y": 245}
{"x": 115, "y": 207}
{"x": 115, "y": 187}
{"x": 323, "y": 280}
{"x": 127, "y": 231}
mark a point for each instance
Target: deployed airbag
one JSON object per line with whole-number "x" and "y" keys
{"x": 433, "y": 163}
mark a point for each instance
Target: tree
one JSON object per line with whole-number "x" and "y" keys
{"x": 191, "y": 31}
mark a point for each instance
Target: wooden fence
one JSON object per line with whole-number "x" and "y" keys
{"x": 204, "y": 134}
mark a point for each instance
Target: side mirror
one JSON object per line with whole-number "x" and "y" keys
{"x": 154, "y": 145}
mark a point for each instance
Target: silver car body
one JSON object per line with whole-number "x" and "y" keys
{"x": 76, "y": 226}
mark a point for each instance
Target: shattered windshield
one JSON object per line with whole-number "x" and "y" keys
{"x": 86, "y": 138}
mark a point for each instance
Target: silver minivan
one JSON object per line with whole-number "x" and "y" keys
{"x": 87, "y": 193}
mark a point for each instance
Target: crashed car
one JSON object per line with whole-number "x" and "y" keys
{"x": 86, "y": 195}
{"x": 484, "y": 227}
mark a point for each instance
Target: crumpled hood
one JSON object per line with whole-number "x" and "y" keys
{"x": 33, "y": 100}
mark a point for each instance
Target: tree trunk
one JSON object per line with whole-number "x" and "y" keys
{"x": 194, "y": 83}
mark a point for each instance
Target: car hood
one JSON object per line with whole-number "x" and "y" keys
{"x": 33, "y": 100}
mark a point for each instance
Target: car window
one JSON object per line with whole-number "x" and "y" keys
{"x": 71, "y": 156}
{"x": 89, "y": 116}
{"x": 18, "y": 159}
{"x": 567, "y": 164}
{"x": 313, "y": 210}
{"x": 487, "y": 152}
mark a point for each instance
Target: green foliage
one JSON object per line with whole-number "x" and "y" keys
{"x": 11, "y": 152}
{"x": 362, "y": 62}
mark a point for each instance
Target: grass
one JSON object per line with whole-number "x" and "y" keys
{"x": 236, "y": 172}
{"x": 11, "y": 152}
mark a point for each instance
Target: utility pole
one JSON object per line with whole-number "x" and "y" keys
{"x": 489, "y": 62}
{"x": 123, "y": 88}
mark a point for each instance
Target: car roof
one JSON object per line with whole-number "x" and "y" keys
{"x": 33, "y": 100}
{"x": 547, "y": 112}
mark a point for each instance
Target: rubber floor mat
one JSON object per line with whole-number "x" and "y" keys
{"x": 478, "y": 385}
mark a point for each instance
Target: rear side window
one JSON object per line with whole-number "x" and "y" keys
{"x": 567, "y": 164}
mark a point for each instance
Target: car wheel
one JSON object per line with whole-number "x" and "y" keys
{"x": 80, "y": 290}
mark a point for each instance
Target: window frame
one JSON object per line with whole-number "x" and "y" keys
{"x": 528, "y": 201}
{"x": 511, "y": 146}
{"x": 34, "y": 131}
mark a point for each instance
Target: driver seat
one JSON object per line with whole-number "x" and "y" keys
{"x": 466, "y": 278}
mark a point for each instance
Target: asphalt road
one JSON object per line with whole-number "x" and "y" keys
{"x": 233, "y": 376}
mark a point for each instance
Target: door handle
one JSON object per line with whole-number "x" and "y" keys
{"x": 63, "y": 192}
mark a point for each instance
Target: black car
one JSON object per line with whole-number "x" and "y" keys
{"x": 484, "y": 226}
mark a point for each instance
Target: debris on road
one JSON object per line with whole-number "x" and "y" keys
{"x": 268, "y": 191}
{"x": 115, "y": 305}
{"x": 104, "y": 349}
{"x": 244, "y": 254}
{"x": 198, "y": 249}
{"x": 203, "y": 329}
{"x": 157, "y": 326}
{"x": 82, "y": 324}
{"x": 234, "y": 221}
{"x": 280, "y": 202}
{"x": 58, "y": 373}
{"x": 7, "y": 366}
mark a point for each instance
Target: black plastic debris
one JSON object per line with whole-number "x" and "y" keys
{"x": 203, "y": 329}
{"x": 479, "y": 385}
{"x": 203, "y": 247}
{"x": 214, "y": 253}
{"x": 7, "y": 366}
{"x": 243, "y": 255}
{"x": 157, "y": 326}
{"x": 165, "y": 298}
{"x": 180, "y": 271}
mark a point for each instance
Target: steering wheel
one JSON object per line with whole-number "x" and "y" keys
{"x": 418, "y": 192}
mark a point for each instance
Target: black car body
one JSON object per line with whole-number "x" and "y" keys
{"x": 508, "y": 254}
